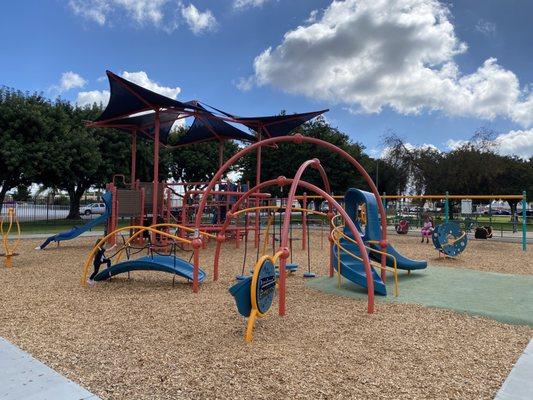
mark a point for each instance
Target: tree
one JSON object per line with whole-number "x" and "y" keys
{"x": 196, "y": 162}
{"x": 287, "y": 157}
{"x": 22, "y": 193}
{"x": 75, "y": 157}
{"x": 516, "y": 175}
{"x": 419, "y": 169}
{"x": 21, "y": 134}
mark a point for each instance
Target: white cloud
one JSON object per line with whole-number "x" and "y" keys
{"x": 198, "y": 21}
{"x": 69, "y": 80}
{"x": 140, "y": 11}
{"x": 245, "y": 84}
{"x": 143, "y": 10}
{"x": 487, "y": 28}
{"x": 518, "y": 143}
{"x": 93, "y": 96}
{"x": 95, "y": 10}
{"x": 313, "y": 15}
{"x": 241, "y": 4}
{"x": 140, "y": 78}
{"x": 453, "y": 144}
{"x": 370, "y": 54}
{"x": 513, "y": 143}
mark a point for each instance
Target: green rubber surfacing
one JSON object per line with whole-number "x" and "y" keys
{"x": 503, "y": 297}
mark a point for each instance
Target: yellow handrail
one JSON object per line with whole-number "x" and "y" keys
{"x": 454, "y": 241}
{"x": 337, "y": 231}
{"x": 298, "y": 209}
{"x": 126, "y": 228}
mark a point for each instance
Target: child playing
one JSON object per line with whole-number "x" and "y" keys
{"x": 99, "y": 260}
{"x": 427, "y": 229}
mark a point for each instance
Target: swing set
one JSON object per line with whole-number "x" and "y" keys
{"x": 275, "y": 214}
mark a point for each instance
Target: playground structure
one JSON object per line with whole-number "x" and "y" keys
{"x": 168, "y": 216}
{"x": 10, "y": 248}
{"x": 161, "y": 255}
{"x": 449, "y": 239}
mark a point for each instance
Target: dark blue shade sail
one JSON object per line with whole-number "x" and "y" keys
{"x": 274, "y": 125}
{"x": 133, "y": 108}
{"x": 128, "y": 98}
{"x": 207, "y": 126}
{"x": 144, "y": 125}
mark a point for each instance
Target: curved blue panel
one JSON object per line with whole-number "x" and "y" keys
{"x": 354, "y": 270}
{"x": 449, "y": 239}
{"x": 170, "y": 264}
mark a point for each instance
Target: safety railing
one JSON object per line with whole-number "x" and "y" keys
{"x": 338, "y": 234}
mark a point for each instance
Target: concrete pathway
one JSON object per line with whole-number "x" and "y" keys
{"x": 504, "y": 297}
{"x": 22, "y": 377}
{"x": 519, "y": 383}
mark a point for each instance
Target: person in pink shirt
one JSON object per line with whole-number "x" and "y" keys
{"x": 427, "y": 229}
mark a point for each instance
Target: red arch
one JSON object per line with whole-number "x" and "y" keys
{"x": 282, "y": 181}
{"x": 298, "y": 138}
{"x": 314, "y": 162}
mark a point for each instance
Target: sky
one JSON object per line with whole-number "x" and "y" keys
{"x": 432, "y": 72}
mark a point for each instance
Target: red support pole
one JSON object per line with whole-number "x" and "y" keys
{"x": 330, "y": 240}
{"x": 155, "y": 187}
{"x": 220, "y": 153}
{"x": 304, "y": 223}
{"x": 141, "y": 218}
{"x": 196, "y": 244}
{"x": 133, "y": 156}
{"x": 257, "y": 221}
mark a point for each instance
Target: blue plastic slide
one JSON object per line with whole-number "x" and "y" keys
{"x": 170, "y": 264}
{"x": 354, "y": 269}
{"x": 78, "y": 230}
{"x": 372, "y": 229}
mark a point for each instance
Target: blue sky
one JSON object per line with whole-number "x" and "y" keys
{"x": 432, "y": 72}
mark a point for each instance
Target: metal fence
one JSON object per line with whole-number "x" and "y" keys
{"x": 33, "y": 211}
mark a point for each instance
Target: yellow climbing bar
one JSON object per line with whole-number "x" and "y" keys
{"x": 10, "y": 250}
{"x": 139, "y": 229}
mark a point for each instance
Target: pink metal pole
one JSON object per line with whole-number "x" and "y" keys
{"x": 304, "y": 223}
{"x": 257, "y": 221}
{"x": 155, "y": 187}
{"x": 133, "y": 156}
{"x": 220, "y": 153}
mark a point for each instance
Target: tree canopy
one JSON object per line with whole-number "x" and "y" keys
{"x": 287, "y": 157}
{"x": 22, "y": 126}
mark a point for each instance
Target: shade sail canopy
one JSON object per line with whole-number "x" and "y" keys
{"x": 207, "y": 126}
{"x": 134, "y": 108}
{"x": 127, "y": 98}
{"x": 144, "y": 125}
{"x": 275, "y": 125}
